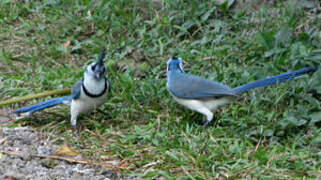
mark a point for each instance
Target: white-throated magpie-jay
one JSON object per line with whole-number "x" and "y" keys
{"x": 205, "y": 96}
{"x": 86, "y": 94}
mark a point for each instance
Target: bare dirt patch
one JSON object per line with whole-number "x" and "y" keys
{"x": 19, "y": 144}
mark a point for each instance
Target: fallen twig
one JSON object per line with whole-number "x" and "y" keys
{"x": 274, "y": 157}
{"x": 310, "y": 18}
{"x": 6, "y": 124}
{"x": 72, "y": 160}
{"x": 253, "y": 151}
{"x": 150, "y": 164}
{"x": 208, "y": 58}
{"x": 33, "y": 96}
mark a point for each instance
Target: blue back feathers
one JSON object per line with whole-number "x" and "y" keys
{"x": 76, "y": 89}
{"x": 194, "y": 87}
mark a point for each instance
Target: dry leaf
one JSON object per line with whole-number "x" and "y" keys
{"x": 292, "y": 158}
{"x": 3, "y": 140}
{"x": 66, "y": 150}
{"x": 105, "y": 157}
{"x": 151, "y": 164}
{"x": 66, "y": 44}
{"x": 9, "y": 178}
{"x": 277, "y": 156}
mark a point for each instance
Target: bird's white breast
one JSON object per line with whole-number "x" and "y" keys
{"x": 196, "y": 105}
{"x": 85, "y": 103}
{"x": 94, "y": 86}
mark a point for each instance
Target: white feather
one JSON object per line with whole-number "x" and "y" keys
{"x": 203, "y": 106}
{"x": 84, "y": 103}
{"x": 93, "y": 85}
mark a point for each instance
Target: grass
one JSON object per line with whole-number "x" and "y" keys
{"x": 274, "y": 132}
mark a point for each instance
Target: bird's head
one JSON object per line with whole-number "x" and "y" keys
{"x": 175, "y": 64}
{"x": 97, "y": 69}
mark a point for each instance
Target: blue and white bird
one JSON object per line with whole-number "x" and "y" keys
{"x": 87, "y": 94}
{"x": 205, "y": 96}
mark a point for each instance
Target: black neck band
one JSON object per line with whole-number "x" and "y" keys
{"x": 94, "y": 95}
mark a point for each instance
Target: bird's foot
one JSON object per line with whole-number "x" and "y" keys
{"x": 75, "y": 130}
{"x": 206, "y": 123}
{"x": 74, "y": 127}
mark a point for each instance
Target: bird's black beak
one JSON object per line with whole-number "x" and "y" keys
{"x": 100, "y": 68}
{"x": 100, "y": 61}
{"x": 98, "y": 75}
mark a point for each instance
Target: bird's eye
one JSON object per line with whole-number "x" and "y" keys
{"x": 93, "y": 68}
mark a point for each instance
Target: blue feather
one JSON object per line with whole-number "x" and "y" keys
{"x": 274, "y": 79}
{"x": 188, "y": 86}
{"x": 42, "y": 105}
{"x": 75, "y": 93}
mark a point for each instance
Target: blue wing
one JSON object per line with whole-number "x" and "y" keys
{"x": 76, "y": 89}
{"x": 193, "y": 87}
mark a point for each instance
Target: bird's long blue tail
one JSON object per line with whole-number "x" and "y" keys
{"x": 43, "y": 105}
{"x": 274, "y": 79}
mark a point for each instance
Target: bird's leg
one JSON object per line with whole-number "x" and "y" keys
{"x": 206, "y": 123}
{"x": 208, "y": 119}
{"x": 73, "y": 121}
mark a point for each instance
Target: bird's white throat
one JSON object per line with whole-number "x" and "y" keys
{"x": 93, "y": 85}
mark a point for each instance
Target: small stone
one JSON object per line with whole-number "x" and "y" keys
{"x": 49, "y": 163}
